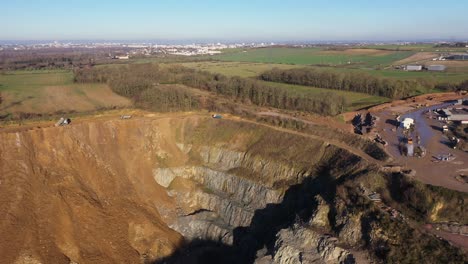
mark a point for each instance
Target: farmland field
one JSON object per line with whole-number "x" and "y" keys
{"x": 315, "y": 56}
{"x": 242, "y": 69}
{"x": 52, "y": 91}
{"x": 252, "y": 69}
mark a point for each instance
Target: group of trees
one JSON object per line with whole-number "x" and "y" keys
{"x": 255, "y": 92}
{"x": 142, "y": 83}
{"x": 54, "y": 58}
{"x": 452, "y": 87}
{"x": 356, "y": 81}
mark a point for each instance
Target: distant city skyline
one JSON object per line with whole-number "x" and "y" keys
{"x": 231, "y": 21}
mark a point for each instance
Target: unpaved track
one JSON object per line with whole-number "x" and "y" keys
{"x": 336, "y": 143}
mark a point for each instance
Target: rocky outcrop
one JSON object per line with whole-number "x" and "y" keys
{"x": 228, "y": 199}
{"x": 204, "y": 225}
{"x": 225, "y": 189}
{"x": 320, "y": 217}
{"x": 298, "y": 244}
{"x": 266, "y": 171}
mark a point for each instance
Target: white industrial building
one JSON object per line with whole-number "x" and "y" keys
{"x": 407, "y": 123}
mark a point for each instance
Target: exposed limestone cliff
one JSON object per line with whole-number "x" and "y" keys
{"x": 303, "y": 245}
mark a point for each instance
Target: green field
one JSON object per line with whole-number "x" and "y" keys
{"x": 52, "y": 91}
{"x": 313, "y": 56}
{"x": 242, "y": 69}
{"x": 252, "y": 69}
{"x": 354, "y": 100}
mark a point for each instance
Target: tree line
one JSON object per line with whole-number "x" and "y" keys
{"x": 142, "y": 83}
{"x": 355, "y": 82}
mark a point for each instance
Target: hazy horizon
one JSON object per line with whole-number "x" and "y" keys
{"x": 255, "y": 20}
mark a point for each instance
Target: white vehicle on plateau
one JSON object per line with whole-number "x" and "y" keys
{"x": 63, "y": 122}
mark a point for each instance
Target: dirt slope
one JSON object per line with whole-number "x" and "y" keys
{"x": 82, "y": 193}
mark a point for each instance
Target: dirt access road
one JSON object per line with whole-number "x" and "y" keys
{"x": 139, "y": 114}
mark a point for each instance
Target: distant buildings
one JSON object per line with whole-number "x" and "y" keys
{"x": 457, "y": 57}
{"x": 414, "y": 67}
{"x": 421, "y": 67}
{"x": 436, "y": 68}
{"x": 126, "y": 57}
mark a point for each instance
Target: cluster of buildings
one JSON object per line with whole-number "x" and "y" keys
{"x": 139, "y": 48}
{"x": 457, "y": 113}
{"x": 435, "y": 67}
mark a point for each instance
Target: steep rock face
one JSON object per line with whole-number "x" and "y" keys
{"x": 303, "y": 245}
{"x": 232, "y": 198}
{"x": 232, "y": 188}
{"x": 351, "y": 231}
{"x": 230, "y": 184}
{"x": 320, "y": 217}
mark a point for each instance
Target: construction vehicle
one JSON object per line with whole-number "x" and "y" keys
{"x": 380, "y": 140}
{"x": 63, "y": 122}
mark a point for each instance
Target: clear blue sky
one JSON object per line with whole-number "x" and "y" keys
{"x": 293, "y": 20}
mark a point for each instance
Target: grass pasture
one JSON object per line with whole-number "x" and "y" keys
{"x": 43, "y": 92}
{"x": 316, "y": 56}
